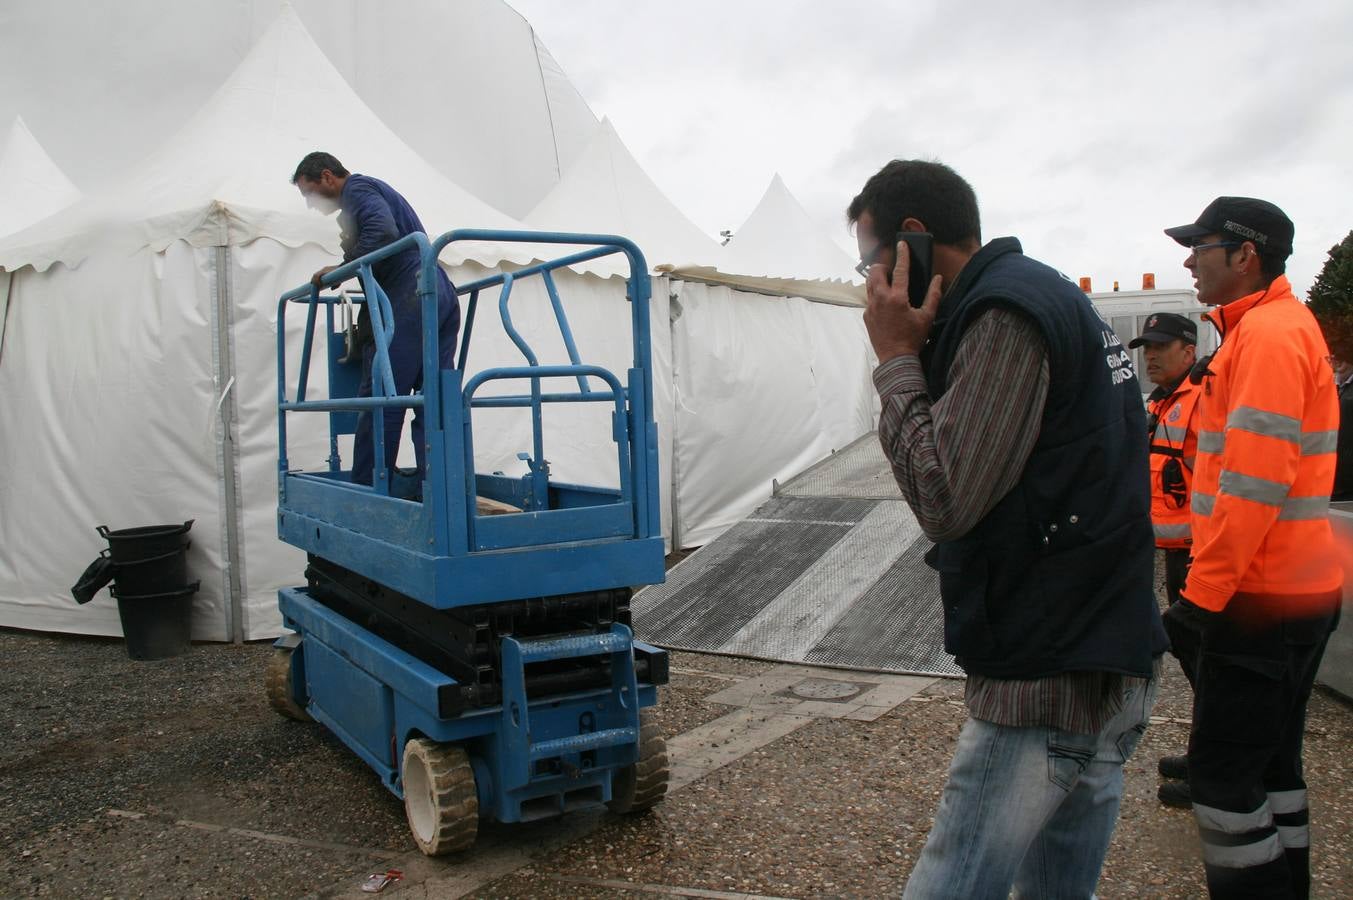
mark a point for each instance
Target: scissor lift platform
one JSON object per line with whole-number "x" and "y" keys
{"x": 483, "y": 665}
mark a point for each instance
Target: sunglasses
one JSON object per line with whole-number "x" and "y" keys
{"x": 1197, "y": 248}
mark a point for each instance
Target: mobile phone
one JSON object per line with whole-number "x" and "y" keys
{"x": 921, "y": 244}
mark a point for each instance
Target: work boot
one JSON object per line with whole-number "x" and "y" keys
{"x": 1174, "y": 767}
{"x": 1176, "y": 794}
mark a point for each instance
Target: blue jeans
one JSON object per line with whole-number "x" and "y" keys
{"x": 1030, "y": 808}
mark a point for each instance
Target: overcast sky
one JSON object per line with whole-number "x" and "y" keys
{"x": 1084, "y": 127}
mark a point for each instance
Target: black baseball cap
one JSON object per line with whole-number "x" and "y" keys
{"x": 1244, "y": 219}
{"x": 1162, "y": 328}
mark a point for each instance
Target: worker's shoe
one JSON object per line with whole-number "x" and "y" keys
{"x": 1176, "y": 794}
{"x": 1174, "y": 767}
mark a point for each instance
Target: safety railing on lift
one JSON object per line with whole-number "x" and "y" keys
{"x": 380, "y": 315}
{"x": 636, "y": 459}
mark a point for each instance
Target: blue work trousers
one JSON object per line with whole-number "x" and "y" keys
{"x": 406, "y": 364}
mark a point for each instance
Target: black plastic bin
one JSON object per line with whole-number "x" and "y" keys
{"x": 157, "y": 626}
{"x": 150, "y": 582}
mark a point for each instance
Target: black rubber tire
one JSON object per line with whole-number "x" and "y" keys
{"x": 639, "y": 787}
{"x": 277, "y": 685}
{"x": 440, "y": 799}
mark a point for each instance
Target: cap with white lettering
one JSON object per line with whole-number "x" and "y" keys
{"x": 1241, "y": 219}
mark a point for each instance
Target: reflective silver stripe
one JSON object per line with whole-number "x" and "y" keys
{"x": 1314, "y": 443}
{"x": 1189, "y": 461}
{"x": 1259, "y": 421}
{"x": 1248, "y": 487}
{"x": 1243, "y": 856}
{"x": 1233, "y": 822}
{"x": 1172, "y": 435}
{"x": 1294, "y": 835}
{"x": 1280, "y": 802}
{"x": 1211, "y": 442}
{"x": 1173, "y": 531}
{"x": 1305, "y": 508}
{"x": 1202, "y": 503}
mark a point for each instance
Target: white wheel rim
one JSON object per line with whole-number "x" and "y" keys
{"x": 419, "y": 804}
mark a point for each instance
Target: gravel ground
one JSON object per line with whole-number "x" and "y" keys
{"x": 175, "y": 779}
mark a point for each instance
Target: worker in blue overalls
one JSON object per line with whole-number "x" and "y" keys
{"x": 371, "y": 214}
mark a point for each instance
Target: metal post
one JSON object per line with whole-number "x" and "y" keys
{"x": 674, "y": 300}
{"x": 227, "y": 452}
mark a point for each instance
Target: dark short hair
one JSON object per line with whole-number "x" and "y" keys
{"x": 314, "y": 164}
{"x": 919, "y": 189}
{"x": 1271, "y": 265}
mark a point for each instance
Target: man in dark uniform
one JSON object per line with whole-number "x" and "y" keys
{"x": 371, "y": 215}
{"x": 1170, "y": 347}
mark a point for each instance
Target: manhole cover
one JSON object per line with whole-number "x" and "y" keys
{"x": 824, "y": 689}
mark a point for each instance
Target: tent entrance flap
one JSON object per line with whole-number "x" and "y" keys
{"x": 829, "y": 572}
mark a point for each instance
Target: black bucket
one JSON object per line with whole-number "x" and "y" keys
{"x": 151, "y": 559}
{"x": 157, "y": 626}
{"x": 150, "y": 582}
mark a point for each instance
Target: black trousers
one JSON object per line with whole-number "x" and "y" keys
{"x": 1253, "y": 682}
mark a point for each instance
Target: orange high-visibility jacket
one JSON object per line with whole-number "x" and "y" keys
{"x": 1174, "y": 437}
{"x": 1267, "y": 426}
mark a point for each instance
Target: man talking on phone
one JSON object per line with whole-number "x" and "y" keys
{"x": 1014, "y": 426}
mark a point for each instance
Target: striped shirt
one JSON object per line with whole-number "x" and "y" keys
{"x": 956, "y": 458}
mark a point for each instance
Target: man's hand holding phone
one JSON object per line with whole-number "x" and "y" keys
{"x": 898, "y": 324}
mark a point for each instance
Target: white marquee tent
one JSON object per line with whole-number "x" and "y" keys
{"x": 139, "y": 368}
{"x": 467, "y": 84}
{"x": 780, "y": 240}
{"x": 140, "y": 365}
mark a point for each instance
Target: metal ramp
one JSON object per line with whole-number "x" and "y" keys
{"x": 830, "y": 571}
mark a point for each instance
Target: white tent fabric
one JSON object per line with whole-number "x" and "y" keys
{"x": 798, "y": 370}
{"x": 109, "y": 386}
{"x": 467, "y": 84}
{"x": 32, "y": 187}
{"x": 607, "y": 190}
{"x": 140, "y": 372}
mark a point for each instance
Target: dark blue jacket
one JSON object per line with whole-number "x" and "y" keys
{"x": 373, "y": 215}
{"x": 1058, "y": 576}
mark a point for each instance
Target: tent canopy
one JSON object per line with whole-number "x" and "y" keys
{"x": 467, "y": 84}
{"x": 224, "y": 178}
{"x": 779, "y": 239}
{"x": 607, "y": 190}
{"x": 31, "y": 185}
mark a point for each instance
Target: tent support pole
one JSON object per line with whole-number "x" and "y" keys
{"x": 228, "y": 452}
{"x": 674, "y": 299}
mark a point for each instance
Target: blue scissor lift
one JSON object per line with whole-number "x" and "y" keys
{"x": 482, "y": 664}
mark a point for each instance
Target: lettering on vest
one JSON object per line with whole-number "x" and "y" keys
{"x": 1118, "y": 360}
